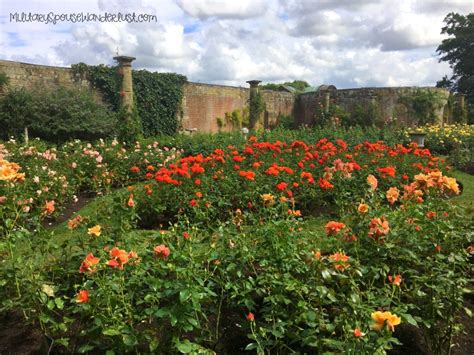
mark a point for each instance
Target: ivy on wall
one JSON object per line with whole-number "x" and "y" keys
{"x": 157, "y": 96}
{"x": 422, "y": 104}
{"x": 103, "y": 78}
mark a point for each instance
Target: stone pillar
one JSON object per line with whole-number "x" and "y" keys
{"x": 126, "y": 94}
{"x": 373, "y": 101}
{"x": 253, "y": 116}
{"x": 461, "y": 101}
{"x": 327, "y": 101}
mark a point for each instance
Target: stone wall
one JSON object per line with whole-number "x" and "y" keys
{"x": 30, "y": 76}
{"x": 386, "y": 101}
{"x": 203, "y": 104}
{"x": 277, "y": 103}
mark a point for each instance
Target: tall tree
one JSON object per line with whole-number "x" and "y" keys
{"x": 458, "y": 51}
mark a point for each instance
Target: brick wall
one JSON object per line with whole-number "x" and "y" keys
{"x": 204, "y": 103}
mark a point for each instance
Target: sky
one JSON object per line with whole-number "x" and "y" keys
{"x": 358, "y": 43}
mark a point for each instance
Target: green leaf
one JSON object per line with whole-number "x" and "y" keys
{"x": 410, "y": 319}
{"x": 129, "y": 340}
{"x": 163, "y": 312}
{"x": 184, "y": 347}
{"x": 183, "y": 295}
{"x": 111, "y": 332}
{"x": 59, "y": 303}
{"x": 311, "y": 316}
{"x": 85, "y": 348}
{"x": 251, "y": 346}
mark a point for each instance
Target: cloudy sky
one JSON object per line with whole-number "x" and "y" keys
{"x": 345, "y": 43}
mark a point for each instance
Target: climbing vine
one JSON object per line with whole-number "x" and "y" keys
{"x": 158, "y": 98}
{"x": 422, "y": 104}
{"x": 157, "y": 95}
{"x": 256, "y": 107}
{"x": 103, "y": 78}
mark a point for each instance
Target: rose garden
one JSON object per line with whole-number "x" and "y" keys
{"x": 339, "y": 236}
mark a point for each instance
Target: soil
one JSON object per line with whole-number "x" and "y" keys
{"x": 17, "y": 338}
{"x": 82, "y": 200}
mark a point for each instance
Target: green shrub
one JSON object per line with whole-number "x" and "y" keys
{"x": 55, "y": 115}
{"x": 15, "y": 112}
{"x": 363, "y": 116}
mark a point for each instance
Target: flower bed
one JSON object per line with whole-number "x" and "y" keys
{"x": 56, "y": 176}
{"x": 229, "y": 262}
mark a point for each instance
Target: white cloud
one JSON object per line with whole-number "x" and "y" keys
{"x": 345, "y": 43}
{"x": 240, "y": 9}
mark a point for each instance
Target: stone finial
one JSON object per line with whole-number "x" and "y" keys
{"x": 124, "y": 61}
{"x": 254, "y": 83}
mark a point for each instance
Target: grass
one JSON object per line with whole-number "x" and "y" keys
{"x": 466, "y": 200}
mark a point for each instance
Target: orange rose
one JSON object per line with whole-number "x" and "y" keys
{"x": 372, "y": 181}
{"x": 363, "y": 208}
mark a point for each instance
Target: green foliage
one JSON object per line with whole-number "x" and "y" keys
{"x": 364, "y": 116}
{"x": 458, "y": 51}
{"x": 55, "y": 115}
{"x": 256, "y": 108}
{"x": 157, "y": 95}
{"x": 158, "y": 99}
{"x": 4, "y": 79}
{"x": 220, "y": 122}
{"x": 299, "y": 85}
{"x": 459, "y": 113}
{"x": 285, "y": 121}
{"x": 421, "y": 105}
{"x": 104, "y": 78}
{"x": 334, "y": 116}
{"x": 15, "y": 112}
{"x": 237, "y": 118}
{"x": 129, "y": 126}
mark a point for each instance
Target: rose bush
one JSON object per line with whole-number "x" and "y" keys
{"x": 229, "y": 262}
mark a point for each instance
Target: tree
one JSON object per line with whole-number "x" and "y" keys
{"x": 458, "y": 51}
{"x": 299, "y": 85}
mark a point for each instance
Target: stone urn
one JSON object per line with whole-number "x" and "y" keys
{"x": 418, "y": 138}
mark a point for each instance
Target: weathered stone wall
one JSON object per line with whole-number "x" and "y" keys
{"x": 277, "y": 103}
{"x": 204, "y": 103}
{"x": 30, "y": 76}
{"x": 387, "y": 102}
